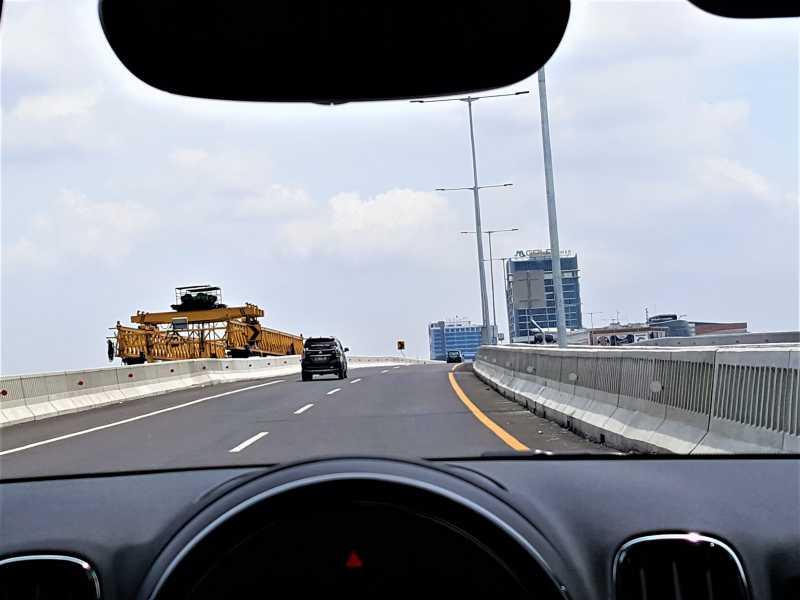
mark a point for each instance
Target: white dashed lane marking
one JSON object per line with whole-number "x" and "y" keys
{"x": 356, "y": 380}
{"x": 333, "y": 391}
{"x": 385, "y": 371}
{"x": 248, "y": 441}
{"x": 303, "y": 409}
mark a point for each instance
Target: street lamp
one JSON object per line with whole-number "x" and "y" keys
{"x": 592, "y": 314}
{"x": 489, "y": 232}
{"x": 480, "y": 187}
{"x": 555, "y": 251}
{"x": 475, "y": 187}
{"x": 504, "y": 260}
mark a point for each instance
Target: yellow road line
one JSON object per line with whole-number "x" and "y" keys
{"x": 509, "y": 439}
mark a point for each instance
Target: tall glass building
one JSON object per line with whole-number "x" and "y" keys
{"x": 529, "y": 292}
{"x": 457, "y": 334}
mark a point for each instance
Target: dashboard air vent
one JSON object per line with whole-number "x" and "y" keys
{"x": 678, "y": 566}
{"x": 47, "y": 577}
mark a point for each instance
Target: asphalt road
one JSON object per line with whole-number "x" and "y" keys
{"x": 411, "y": 410}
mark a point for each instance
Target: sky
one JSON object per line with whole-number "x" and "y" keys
{"x": 675, "y": 150}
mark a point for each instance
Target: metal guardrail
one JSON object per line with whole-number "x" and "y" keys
{"x": 699, "y": 400}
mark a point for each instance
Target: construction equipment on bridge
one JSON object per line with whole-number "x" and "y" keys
{"x": 200, "y": 326}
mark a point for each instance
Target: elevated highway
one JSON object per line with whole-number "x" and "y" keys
{"x": 416, "y": 410}
{"x": 511, "y": 400}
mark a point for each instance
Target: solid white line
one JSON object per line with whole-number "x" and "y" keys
{"x": 356, "y": 380}
{"x": 248, "y": 441}
{"x": 132, "y": 419}
{"x": 333, "y": 391}
{"x": 300, "y": 411}
{"x": 385, "y": 371}
{"x": 395, "y": 367}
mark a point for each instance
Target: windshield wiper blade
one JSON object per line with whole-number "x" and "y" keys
{"x": 515, "y": 453}
{"x": 528, "y": 454}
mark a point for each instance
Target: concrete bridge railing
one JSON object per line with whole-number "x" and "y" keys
{"x": 692, "y": 400}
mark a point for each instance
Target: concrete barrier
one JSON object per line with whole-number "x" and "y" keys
{"x": 34, "y": 397}
{"x": 38, "y": 390}
{"x": 637, "y": 416}
{"x": 91, "y": 388}
{"x": 755, "y": 391}
{"x": 687, "y": 382}
{"x": 13, "y": 407}
{"x": 791, "y": 423}
{"x": 683, "y": 400}
{"x": 727, "y": 339}
{"x": 136, "y": 381}
{"x": 598, "y": 380}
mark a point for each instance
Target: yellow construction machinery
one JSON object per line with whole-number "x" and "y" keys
{"x": 199, "y": 326}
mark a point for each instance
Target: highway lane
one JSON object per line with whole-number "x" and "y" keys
{"x": 412, "y": 410}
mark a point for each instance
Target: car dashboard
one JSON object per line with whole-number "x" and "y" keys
{"x": 534, "y": 527}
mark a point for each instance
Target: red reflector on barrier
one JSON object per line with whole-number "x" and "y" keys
{"x": 130, "y": 374}
{"x": 3, "y": 392}
{"x": 80, "y": 382}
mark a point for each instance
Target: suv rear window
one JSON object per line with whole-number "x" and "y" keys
{"x": 320, "y": 343}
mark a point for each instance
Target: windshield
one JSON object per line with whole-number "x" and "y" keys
{"x": 166, "y": 261}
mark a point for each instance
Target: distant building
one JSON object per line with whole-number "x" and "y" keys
{"x": 709, "y": 328}
{"x": 530, "y": 296}
{"x": 622, "y": 335}
{"x": 578, "y": 337}
{"x": 455, "y": 334}
{"x": 675, "y": 327}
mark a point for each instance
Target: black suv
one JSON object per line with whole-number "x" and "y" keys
{"x": 323, "y": 355}
{"x": 455, "y": 356}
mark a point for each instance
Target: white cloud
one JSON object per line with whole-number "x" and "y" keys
{"x": 398, "y": 223}
{"x": 728, "y": 177}
{"x": 76, "y": 227}
{"x": 189, "y": 157}
{"x": 51, "y": 41}
{"x": 58, "y": 105}
{"x": 64, "y": 120}
{"x": 226, "y": 171}
{"x": 277, "y": 201}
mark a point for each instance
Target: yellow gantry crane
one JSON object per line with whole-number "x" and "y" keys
{"x": 199, "y": 326}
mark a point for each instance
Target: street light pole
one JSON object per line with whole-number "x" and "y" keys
{"x": 489, "y": 233}
{"x": 505, "y": 288}
{"x": 485, "y": 338}
{"x": 476, "y": 196}
{"x": 591, "y": 316}
{"x": 551, "y": 215}
{"x": 491, "y": 278}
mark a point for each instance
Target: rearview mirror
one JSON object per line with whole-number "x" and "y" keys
{"x": 749, "y": 9}
{"x": 332, "y": 51}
